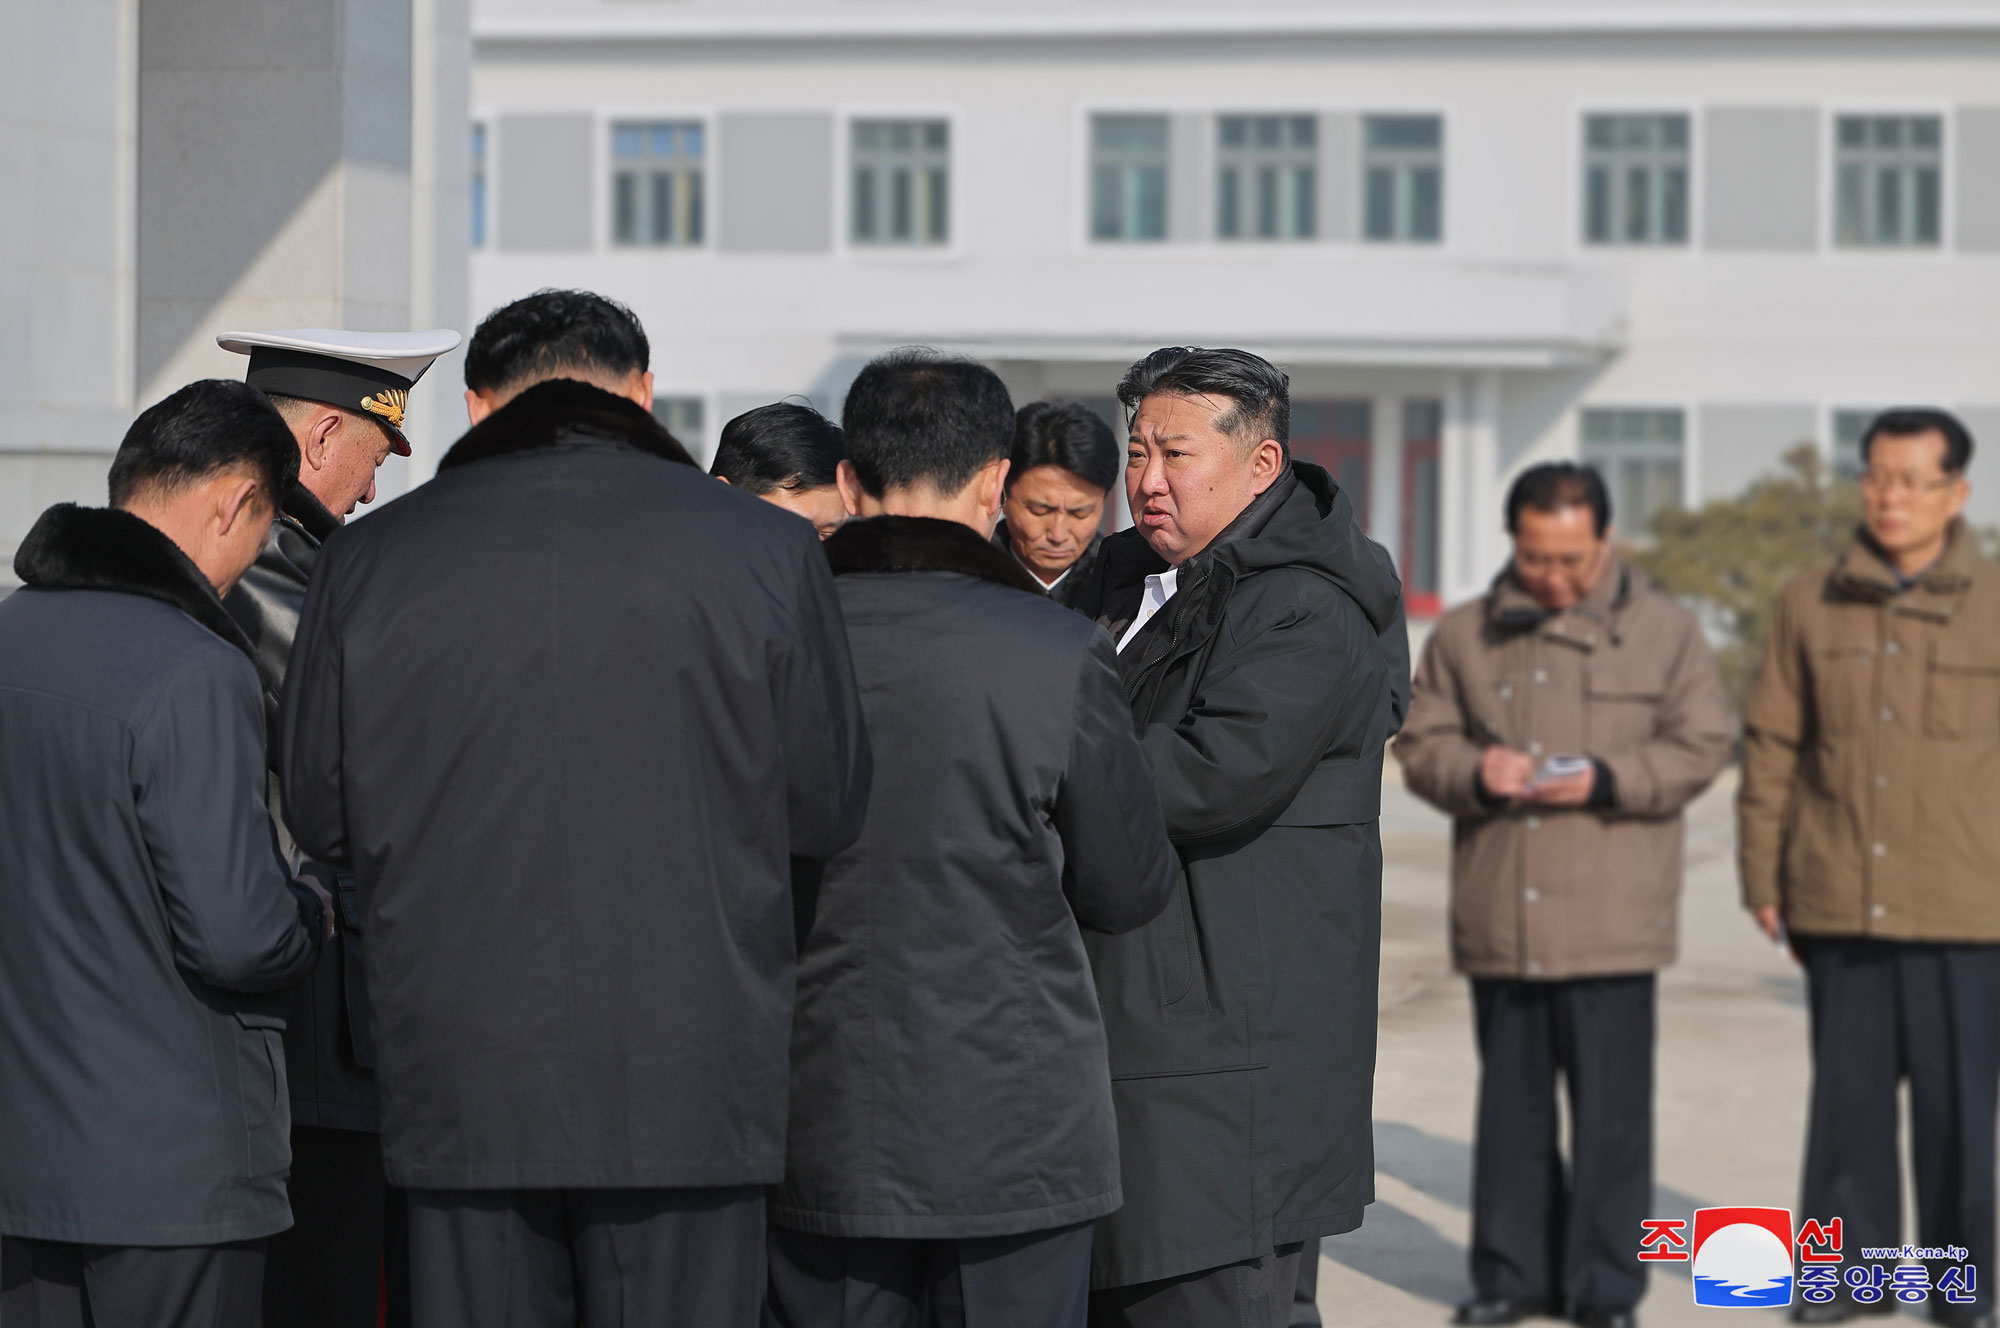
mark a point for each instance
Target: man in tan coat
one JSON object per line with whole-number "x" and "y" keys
{"x": 1564, "y": 720}
{"x": 1870, "y": 832}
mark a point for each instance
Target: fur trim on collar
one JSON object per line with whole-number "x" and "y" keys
{"x": 103, "y": 548}
{"x": 923, "y": 544}
{"x": 558, "y": 411}
{"x": 310, "y": 513}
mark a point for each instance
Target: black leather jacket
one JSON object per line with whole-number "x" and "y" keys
{"x": 329, "y": 1046}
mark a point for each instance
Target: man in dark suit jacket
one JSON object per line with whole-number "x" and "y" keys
{"x": 952, "y": 1138}
{"x": 566, "y": 711}
{"x": 144, "y": 910}
{"x": 1250, "y": 614}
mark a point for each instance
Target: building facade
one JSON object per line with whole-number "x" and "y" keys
{"x": 1675, "y": 240}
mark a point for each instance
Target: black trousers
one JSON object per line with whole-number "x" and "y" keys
{"x": 349, "y": 1241}
{"x": 54, "y": 1284}
{"x": 1566, "y": 1240}
{"x": 1305, "y": 1295}
{"x": 595, "y": 1258}
{"x": 1040, "y": 1279}
{"x": 1257, "y": 1293}
{"x": 1883, "y": 1011}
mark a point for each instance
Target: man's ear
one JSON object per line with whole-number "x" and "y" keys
{"x": 993, "y": 476}
{"x": 1267, "y": 462}
{"x": 318, "y": 438}
{"x": 849, "y": 484}
{"x": 478, "y": 405}
{"x": 639, "y": 388}
{"x": 725, "y": 480}
{"x": 236, "y": 498}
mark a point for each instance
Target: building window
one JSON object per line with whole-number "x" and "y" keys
{"x": 1638, "y": 452}
{"x": 1421, "y": 562}
{"x": 477, "y": 185}
{"x": 1849, "y": 427}
{"x": 1635, "y": 179}
{"x": 1888, "y": 172}
{"x": 656, "y": 183}
{"x": 1266, "y": 177}
{"x": 1128, "y": 177}
{"x": 1402, "y": 178}
{"x": 683, "y": 418}
{"x": 901, "y": 182}
{"x": 1339, "y": 437}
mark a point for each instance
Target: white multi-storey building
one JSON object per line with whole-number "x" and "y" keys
{"x": 1672, "y": 237}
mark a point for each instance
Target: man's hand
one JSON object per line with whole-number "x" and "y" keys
{"x": 1504, "y": 773}
{"x": 1768, "y": 921}
{"x": 325, "y": 902}
{"x": 1569, "y": 791}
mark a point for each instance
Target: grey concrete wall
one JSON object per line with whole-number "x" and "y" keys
{"x": 548, "y": 183}
{"x": 66, "y": 146}
{"x": 1190, "y": 150}
{"x": 273, "y": 174}
{"x": 1761, "y": 183}
{"x": 777, "y": 182}
{"x": 1743, "y": 443}
{"x": 1976, "y": 177}
{"x": 1340, "y": 176}
{"x": 1983, "y": 509}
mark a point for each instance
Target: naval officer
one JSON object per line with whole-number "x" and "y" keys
{"x": 344, "y": 394}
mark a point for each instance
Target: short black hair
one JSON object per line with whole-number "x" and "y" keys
{"x": 1260, "y": 390}
{"x": 1909, "y": 421}
{"x": 780, "y": 446}
{"x": 206, "y": 428}
{"x": 552, "y": 331}
{"x": 1073, "y": 437}
{"x": 916, "y": 416}
{"x": 1554, "y": 485}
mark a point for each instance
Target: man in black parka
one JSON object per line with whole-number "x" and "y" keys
{"x": 952, "y": 1137}
{"x": 343, "y": 396}
{"x": 145, "y": 914}
{"x": 566, "y": 711}
{"x": 1256, "y": 631}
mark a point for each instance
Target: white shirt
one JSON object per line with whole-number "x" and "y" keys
{"x": 1160, "y": 588}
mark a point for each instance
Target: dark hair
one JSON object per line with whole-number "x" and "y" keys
{"x": 914, "y": 415}
{"x": 541, "y": 335}
{"x": 1260, "y": 391}
{"x": 206, "y": 428}
{"x": 1554, "y": 485}
{"x": 1075, "y": 438}
{"x": 1909, "y": 421}
{"x": 779, "y": 446}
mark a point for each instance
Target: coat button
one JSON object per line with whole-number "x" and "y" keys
{"x": 1534, "y": 749}
{"x": 1534, "y": 822}
{"x": 1506, "y": 693}
{"x": 1891, "y": 648}
{"x": 1881, "y": 781}
{"x": 1534, "y": 966}
{"x": 1880, "y": 910}
{"x": 1531, "y": 894}
{"x": 1880, "y": 849}
{"x": 1887, "y": 714}
{"x": 1541, "y": 675}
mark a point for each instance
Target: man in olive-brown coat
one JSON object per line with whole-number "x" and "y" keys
{"x": 1870, "y": 832}
{"x": 1564, "y": 721}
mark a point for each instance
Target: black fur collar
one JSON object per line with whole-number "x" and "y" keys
{"x": 556, "y": 411}
{"x": 102, "y": 548}
{"x": 923, "y": 544}
{"x": 311, "y": 514}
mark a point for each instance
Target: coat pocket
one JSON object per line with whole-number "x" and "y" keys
{"x": 1176, "y": 945}
{"x": 1961, "y": 696}
{"x": 1843, "y": 685}
{"x": 260, "y": 1069}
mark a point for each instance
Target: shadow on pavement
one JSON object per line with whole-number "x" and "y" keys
{"x": 1402, "y": 1251}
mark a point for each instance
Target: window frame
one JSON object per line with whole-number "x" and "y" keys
{"x": 1690, "y": 451}
{"x": 1832, "y": 113}
{"x": 1128, "y": 162}
{"x": 1365, "y": 164}
{"x": 1580, "y": 166}
{"x": 605, "y": 165}
{"x": 479, "y": 183}
{"x": 1251, "y": 159}
{"x": 844, "y": 117}
{"x": 703, "y": 447}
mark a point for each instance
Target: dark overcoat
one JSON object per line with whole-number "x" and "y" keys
{"x": 144, "y": 909}
{"x": 949, "y": 1065}
{"x": 564, "y": 711}
{"x": 1242, "y": 1020}
{"x": 329, "y": 1048}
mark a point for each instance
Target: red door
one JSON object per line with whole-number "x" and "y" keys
{"x": 1338, "y": 436}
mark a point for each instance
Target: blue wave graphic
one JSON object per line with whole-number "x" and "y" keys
{"x": 1718, "y": 1294}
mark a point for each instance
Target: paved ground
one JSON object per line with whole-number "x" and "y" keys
{"x": 1732, "y": 1076}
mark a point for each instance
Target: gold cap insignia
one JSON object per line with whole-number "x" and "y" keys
{"x": 388, "y": 403}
